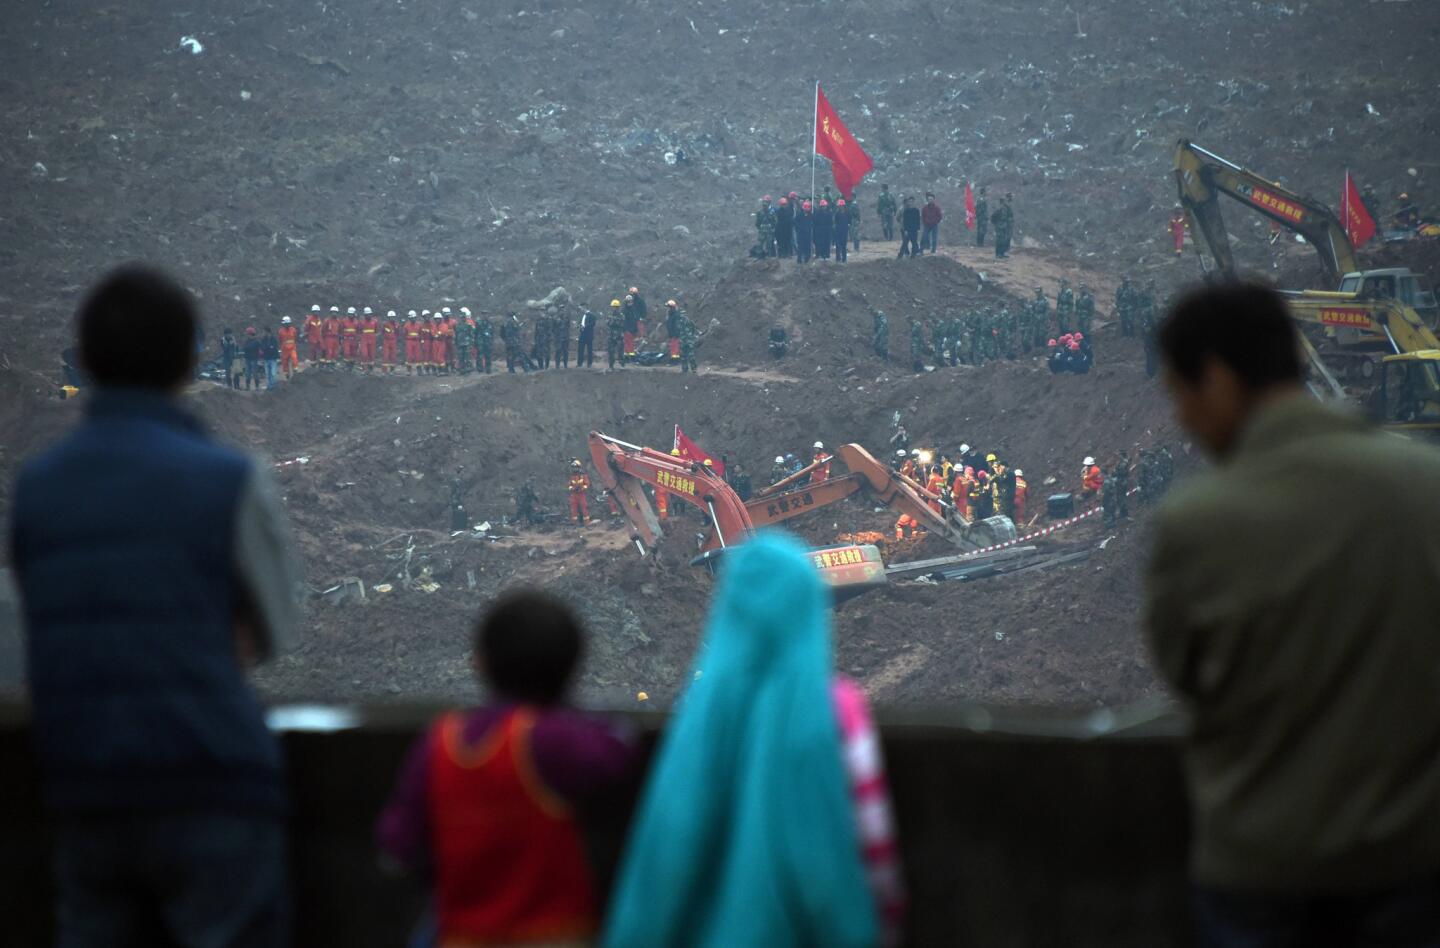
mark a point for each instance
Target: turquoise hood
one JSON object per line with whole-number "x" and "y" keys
{"x": 746, "y": 833}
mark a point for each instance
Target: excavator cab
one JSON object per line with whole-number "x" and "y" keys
{"x": 1405, "y": 398}
{"x": 1412, "y": 289}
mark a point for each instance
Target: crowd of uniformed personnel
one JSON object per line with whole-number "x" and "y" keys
{"x": 987, "y": 334}
{"x": 450, "y": 341}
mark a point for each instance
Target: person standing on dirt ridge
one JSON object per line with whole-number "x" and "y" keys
{"x": 1004, "y": 221}
{"x": 823, "y": 227}
{"x": 853, "y": 206}
{"x": 885, "y": 211}
{"x": 785, "y": 229}
{"x": 332, "y": 337}
{"x": 585, "y": 343}
{"x": 615, "y": 335}
{"x": 909, "y": 230}
{"x": 631, "y": 314}
{"x": 1178, "y": 224}
{"x": 289, "y": 347}
{"x": 270, "y": 352}
{"x": 804, "y": 233}
{"x": 930, "y": 216}
{"x": 640, "y": 310}
{"x": 880, "y": 334}
{"x": 673, "y": 317}
{"x": 349, "y": 336}
{"x": 982, "y": 218}
{"x": 841, "y": 231}
{"x": 314, "y": 336}
{"x": 765, "y": 229}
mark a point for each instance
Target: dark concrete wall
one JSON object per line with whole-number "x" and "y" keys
{"x": 1008, "y": 840}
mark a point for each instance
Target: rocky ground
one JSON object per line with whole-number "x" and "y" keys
{"x": 404, "y": 153}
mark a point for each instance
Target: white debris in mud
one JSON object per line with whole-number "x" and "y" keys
{"x": 192, "y": 44}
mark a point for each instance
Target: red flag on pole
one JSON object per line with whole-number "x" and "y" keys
{"x": 1359, "y": 225}
{"x": 848, "y": 161}
{"x": 691, "y": 451}
{"x": 969, "y": 206}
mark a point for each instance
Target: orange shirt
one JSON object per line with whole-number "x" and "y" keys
{"x": 1093, "y": 479}
{"x": 350, "y": 326}
{"x": 579, "y": 482}
{"x": 314, "y": 329}
{"x": 332, "y": 326}
{"x": 412, "y": 329}
{"x": 370, "y": 326}
{"x": 288, "y": 337}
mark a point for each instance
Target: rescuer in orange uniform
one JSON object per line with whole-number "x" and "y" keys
{"x": 427, "y": 335}
{"x": 1092, "y": 481}
{"x": 390, "y": 341}
{"x": 906, "y": 522}
{"x": 821, "y": 474}
{"x": 1177, "y": 226}
{"x": 314, "y": 335}
{"x": 349, "y": 336}
{"x": 579, "y": 486}
{"x": 1022, "y": 490}
{"x": 412, "y": 342}
{"x": 289, "y": 347}
{"x": 935, "y": 484}
{"x": 960, "y": 491}
{"x": 369, "y": 329}
{"x": 444, "y": 342}
{"x": 332, "y": 336}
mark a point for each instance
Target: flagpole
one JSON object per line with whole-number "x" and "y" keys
{"x": 814, "y": 135}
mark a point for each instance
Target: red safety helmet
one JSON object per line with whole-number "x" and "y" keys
{"x": 250, "y": 331}
{"x": 784, "y": 202}
{"x": 1074, "y": 346}
{"x": 766, "y": 198}
{"x": 1053, "y": 343}
{"x": 1079, "y": 337}
{"x": 805, "y": 206}
{"x": 840, "y": 203}
{"x": 794, "y": 194}
{"x": 824, "y": 203}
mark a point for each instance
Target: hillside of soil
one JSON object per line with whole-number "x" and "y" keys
{"x": 406, "y": 154}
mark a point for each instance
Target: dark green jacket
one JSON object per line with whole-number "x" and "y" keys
{"x": 1294, "y": 606}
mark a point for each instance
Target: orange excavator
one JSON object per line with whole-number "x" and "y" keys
{"x": 624, "y": 469}
{"x": 798, "y": 494}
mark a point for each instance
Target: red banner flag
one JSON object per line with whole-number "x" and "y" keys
{"x": 848, "y": 161}
{"x": 1359, "y": 225}
{"x": 691, "y": 451}
{"x": 969, "y": 206}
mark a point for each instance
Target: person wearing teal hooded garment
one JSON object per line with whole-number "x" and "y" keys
{"x": 746, "y": 834}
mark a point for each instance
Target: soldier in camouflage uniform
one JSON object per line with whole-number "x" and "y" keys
{"x": 1064, "y": 307}
{"x": 1004, "y": 221}
{"x": 1024, "y": 328}
{"x": 955, "y": 329}
{"x": 615, "y": 336}
{"x": 1085, "y": 311}
{"x": 688, "y": 338}
{"x": 510, "y": 335}
{"x": 975, "y": 326}
{"x": 540, "y": 342}
{"x": 1125, "y": 306}
{"x": 1004, "y": 340}
{"x": 938, "y": 338}
{"x": 982, "y": 219}
{"x": 853, "y": 206}
{"x": 1040, "y": 313}
{"x": 917, "y": 345}
{"x": 885, "y": 210}
{"x": 765, "y": 228}
{"x": 880, "y": 335}
{"x": 464, "y": 343}
{"x": 560, "y": 327}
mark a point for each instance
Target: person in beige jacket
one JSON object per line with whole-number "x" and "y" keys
{"x": 1294, "y": 608}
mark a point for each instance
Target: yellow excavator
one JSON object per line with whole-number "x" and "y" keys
{"x": 1375, "y": 328}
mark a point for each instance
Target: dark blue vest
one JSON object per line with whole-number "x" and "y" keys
{"x": 124, "y": 538}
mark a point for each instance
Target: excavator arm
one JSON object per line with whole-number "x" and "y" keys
{"x": 624, "y": 469}
{"x": 792, "y": 498}
{"x": 1201, "y": 176}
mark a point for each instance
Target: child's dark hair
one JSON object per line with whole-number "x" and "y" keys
{"x": 529, "y": 643}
